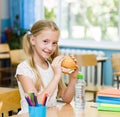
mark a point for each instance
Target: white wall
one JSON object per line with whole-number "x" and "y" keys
{"x": 4, "y": 12}
{"x": 5, "y": 9}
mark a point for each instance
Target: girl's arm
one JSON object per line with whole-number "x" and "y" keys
{"x": 28, "y": 84}
{"x": 67, "y": 93}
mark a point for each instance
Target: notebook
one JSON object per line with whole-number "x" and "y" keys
{"x": 109, "y": 92}
{"x": 109, "y": 107}
{"x": 107, "y": 100}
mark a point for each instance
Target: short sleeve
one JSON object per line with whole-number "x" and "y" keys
{"x": 24, "y": 69}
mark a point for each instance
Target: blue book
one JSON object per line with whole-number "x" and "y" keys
{"x": 107, "y": 100}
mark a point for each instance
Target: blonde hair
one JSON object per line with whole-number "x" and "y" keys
{"x": 35, "y": 30}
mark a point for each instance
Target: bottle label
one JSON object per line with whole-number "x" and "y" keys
{"x": 79, "y": 97}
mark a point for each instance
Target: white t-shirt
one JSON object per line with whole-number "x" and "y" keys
{"x": 46, "y": 75}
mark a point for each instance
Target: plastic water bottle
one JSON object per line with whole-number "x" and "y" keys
{"x": 79, "y": 97}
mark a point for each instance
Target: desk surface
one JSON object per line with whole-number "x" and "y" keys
{"x": 67, "y": 110}
{"x": 5, "y": 56}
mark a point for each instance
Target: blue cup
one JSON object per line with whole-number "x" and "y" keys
{"x": 37, "y": 111}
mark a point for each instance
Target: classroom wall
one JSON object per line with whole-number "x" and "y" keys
{"x": 5, "y": 14}
{"x": 5, "y": 17}
{"x": 0, "y": 18}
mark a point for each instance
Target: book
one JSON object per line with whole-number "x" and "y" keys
{"x": 109, "y": 92}
{"x": 107, "y": 100}
{"x": 109, "y": 107}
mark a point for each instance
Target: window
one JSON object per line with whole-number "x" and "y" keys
{"x": 81, "y": 19}
{"x": 50, "y": 7}
{"x": 86, "y": 19}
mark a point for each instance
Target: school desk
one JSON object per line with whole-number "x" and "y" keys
{"x": 68, "y": 110}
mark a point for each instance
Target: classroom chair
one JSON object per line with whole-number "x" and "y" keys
{"x": 115, "y": 61}
{"x": 16, "y": 56}
{"x": 5, "y": 69}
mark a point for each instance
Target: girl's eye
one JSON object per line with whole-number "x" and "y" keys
{"x": 45, "y": 41}
{"x": 55, "y": 43}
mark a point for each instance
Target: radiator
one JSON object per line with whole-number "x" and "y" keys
{"x": 89, "y": 73}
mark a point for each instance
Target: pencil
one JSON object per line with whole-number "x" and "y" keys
{"x": 44, "y": 99}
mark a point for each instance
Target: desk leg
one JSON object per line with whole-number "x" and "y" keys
{"x": 94, "y": 96}
{"x": 101, "y": 74}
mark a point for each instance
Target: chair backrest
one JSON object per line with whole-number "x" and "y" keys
{"x": 4, "y": 47}
{"x": 86, "y": 60}
{"x": 116, "y": 62}
{"x": 4, "y": 51}
{"x": 17, "y": 56}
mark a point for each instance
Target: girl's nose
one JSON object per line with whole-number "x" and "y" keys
{"x": 50, "y": 46}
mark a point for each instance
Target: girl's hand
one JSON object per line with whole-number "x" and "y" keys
{"x": 56, "y": 65}
{"x": 75, "y": 72}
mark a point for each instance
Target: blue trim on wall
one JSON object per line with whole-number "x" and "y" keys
{"x": 108, "y": 66}
{"x": 14, "y": 10}
{"x": 28, "y": 17}
{"x": 5, "y": 23}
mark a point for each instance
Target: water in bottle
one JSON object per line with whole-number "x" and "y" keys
{"x": 79, "y": 96}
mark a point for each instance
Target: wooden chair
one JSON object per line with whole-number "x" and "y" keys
{"x": 4, "y": 63}
{"x": 4, "y": 50}
{"x": 86, "y": 61}
{"x": 116, "y": 68}
{"x": 9, "y": 101}
{"x": 16, "y": 57}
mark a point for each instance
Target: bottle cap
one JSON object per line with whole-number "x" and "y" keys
{"x": 80, "y": 76}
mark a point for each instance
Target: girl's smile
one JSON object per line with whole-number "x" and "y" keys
{"x": 45, "y": 43}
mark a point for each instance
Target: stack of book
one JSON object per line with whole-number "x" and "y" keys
{"x": 108, "y": 99}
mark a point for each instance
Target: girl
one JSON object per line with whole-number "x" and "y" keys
{"x": 41, "y": 71}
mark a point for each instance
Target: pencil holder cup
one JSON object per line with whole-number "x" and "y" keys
{"x": 37, "y": 111}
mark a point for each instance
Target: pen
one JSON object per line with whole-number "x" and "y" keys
{"x": 44, "y": 99}
{"x": 35, "y": 99}
{"x": 29, "y": 101}
{"x": 31, "y": 95}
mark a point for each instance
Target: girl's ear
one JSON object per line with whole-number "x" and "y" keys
{"x": 32, "y": 40}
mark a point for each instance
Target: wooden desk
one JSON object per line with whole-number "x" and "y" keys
{"x": 5, "y": 56}
{"x": 10, "y": 99}
{"x": 67, "y": 110}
